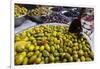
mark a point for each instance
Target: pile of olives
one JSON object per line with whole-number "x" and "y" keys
{"x": 45, "y": 44}
{"x": 39, "y": 11}
{"x": 19, "y": 11}
{"x": 55, "y": 18}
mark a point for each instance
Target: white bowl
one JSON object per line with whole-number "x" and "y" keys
{"x": 19, "y": 20}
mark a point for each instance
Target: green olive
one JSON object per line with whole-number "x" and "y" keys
{"x": 54, "y": 33}
{"x": 69, "y": 50}
{"x": 70, "y": 59}
{"x": 76, "y": 44}
{"x": 56, "y": 54}
{"x": 38, "y": 60}
{"x": 32, "y": 59}
{"x": 91, "y": 55}
{"x": 31, "y": 48}
{"x": 30, "y": 54}
{"x": 40, "y": 55}
{"x": 20, "y": 48}
{"x": 86, "y": 54}
{"x": 64, "y": 60}
{"x": 60, "y": 50}
{"x": 47, "y": 47}
{"x": 41, "y": 48}
{"x": 78, "y": 60}
{"x": 45, "y": 53}
{"x": 62, "y": 55}
{"x": 74, "y": 52}
{"x": 52, "y": 48}
{"x": 82, "y": 58}
{"x": 19, "y": 59}
{"x": 57, "y": 58}
{"x": 23, "y": 53}
{"x": 46, "y": 60}
{"x": 37, "y": 52}
{"x": 52, "y": 58}
{"x": 80, "y": 52}
{"x": 75, "y": 56}
{"x": 37, "y": 48}
{"x": 42, "y": 62}
{"x": 25, "y": 61}
{"x": 67, "y": 55}
{"x": 88, "y": 59}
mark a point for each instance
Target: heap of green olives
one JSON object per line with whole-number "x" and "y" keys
{"x": 19, "y": 11}
{"x": 39, "y": 11}
{"x": 45, "y": 44}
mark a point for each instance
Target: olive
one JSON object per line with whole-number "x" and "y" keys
{"x": 67, "y": 55}
{"x": 36, "y": 48}
{"x": 82, "y": 58}
{"x": 19, "y": 59}
{"x": 45, "y": 53}
{"x": 80, "y": 52}
{"x": 47, "y": 47}
{"x": 76, "y": 44}
{"x": 69, "y": 50}
{"x": 62, "y": 55}
{"x": 56, "y": 54}
{"x": 25, "y": 61}
{"x": 40, "y": 55}
{"x": 41, "y": 48}
{"x": 51, "y": 58}
{"x": 37, "y": 52}
{"x": 54, "y": 33}
{"x": 86, "y": 54}
{"x": 78, "y": 60}
{"x": 57, "y": 58}
{"x": 42, "y": 62}
{"x": 74, "y": 52}
{"x": 20, "y": 48}
{"x": 31, "y": 48}
{"x": 75, "y": 56}
{"x": 17, "y": 38}
{"x": 91, "y": 55}
{"x": 60, "y": 50}
{"x": 38, "y": 60}
{"x": 80, "y": 46}
{"x": 57, "y": 46}
{"x": 23, "y": 53}
{"x": 64, "y": 60}
{"x": 83, "y": 42}
{"x": 30, "y": 54}
{"x": 70, "y": 59}
{"x": 28, "y": 45}
{"x": 88, "y": 59}
{"x": 85, "y": 48}
{"x": 46, "y": 60}
{"x": 42, "y": 58}
{"x": 32, "y": 59}
{"x": 52, "y": 48}
{"x": 82, "y": 39}
{"x": 56, "y": 40}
